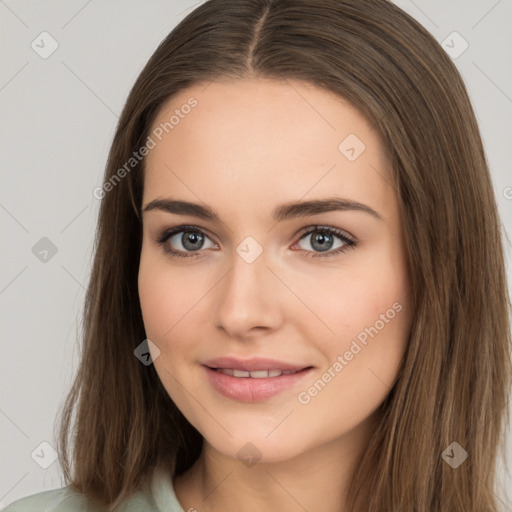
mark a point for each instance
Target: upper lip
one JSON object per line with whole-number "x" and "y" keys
{"x": 254, "y": 364}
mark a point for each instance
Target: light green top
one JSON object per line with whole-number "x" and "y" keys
{"x": 162, "y": 498}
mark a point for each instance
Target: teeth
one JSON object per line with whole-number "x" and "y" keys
{"x": 259, "y": 374}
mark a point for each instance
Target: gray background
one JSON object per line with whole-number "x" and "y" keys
{"x": 58, "y": 117}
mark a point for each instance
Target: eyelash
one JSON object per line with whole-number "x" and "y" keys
{"x": 350, "y": 243}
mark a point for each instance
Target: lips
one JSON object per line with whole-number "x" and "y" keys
{"x": 253, "y": 380}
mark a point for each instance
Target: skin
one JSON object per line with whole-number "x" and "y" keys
{"x": 247, "y": 147}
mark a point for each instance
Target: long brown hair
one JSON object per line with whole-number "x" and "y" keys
{"x": 456, "y": 375}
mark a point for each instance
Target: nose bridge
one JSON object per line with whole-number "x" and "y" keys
{"x": 246, "y": 297}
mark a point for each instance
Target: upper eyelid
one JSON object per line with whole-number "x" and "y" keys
{"x": 179, "y": 229}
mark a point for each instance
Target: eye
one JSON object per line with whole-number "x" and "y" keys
{"x": 191, "y": 239}
{"x": 323, "y": 240}
{"x": 188, "y": 239}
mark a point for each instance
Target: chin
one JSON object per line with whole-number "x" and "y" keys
{"x": 250, "y": 446}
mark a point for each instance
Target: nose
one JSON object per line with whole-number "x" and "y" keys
{"x": 248, "y": 299}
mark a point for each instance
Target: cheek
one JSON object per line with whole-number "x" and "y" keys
{"x": 366, "y": 321}
{"x": 170, "y": 308}
{"x": 155, "y": 299}
{"x": 165, "y": 301}
{"x": 165, "y": 295}
{"x": 342, "y": 303}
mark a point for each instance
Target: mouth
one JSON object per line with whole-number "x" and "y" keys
{"x": 253, "y": 380}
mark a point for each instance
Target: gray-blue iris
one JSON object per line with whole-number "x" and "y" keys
{"x": 324, "y": 241}
{"x": 197, "y": 240}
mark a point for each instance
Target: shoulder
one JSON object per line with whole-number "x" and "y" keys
{"x": 67, "y": 499}
{"x": 56, "y": 500}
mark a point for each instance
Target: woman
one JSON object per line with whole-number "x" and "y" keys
{"x": 298, "y": 298}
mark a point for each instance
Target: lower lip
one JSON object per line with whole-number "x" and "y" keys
{"x": 247, "y": 389}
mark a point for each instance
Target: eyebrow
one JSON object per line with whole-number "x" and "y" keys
{"x": 281, "y": 213}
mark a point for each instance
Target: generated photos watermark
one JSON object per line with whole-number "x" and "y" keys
{"x": 143, "y": 151}
{"x": 305, "y": 397}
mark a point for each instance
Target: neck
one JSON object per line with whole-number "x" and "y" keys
{"x": 316, "y": 479}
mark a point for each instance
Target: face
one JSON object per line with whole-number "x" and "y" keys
{"x": 281, "y": 317}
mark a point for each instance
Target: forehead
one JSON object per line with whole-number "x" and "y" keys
{"x": 262, "y": 142}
